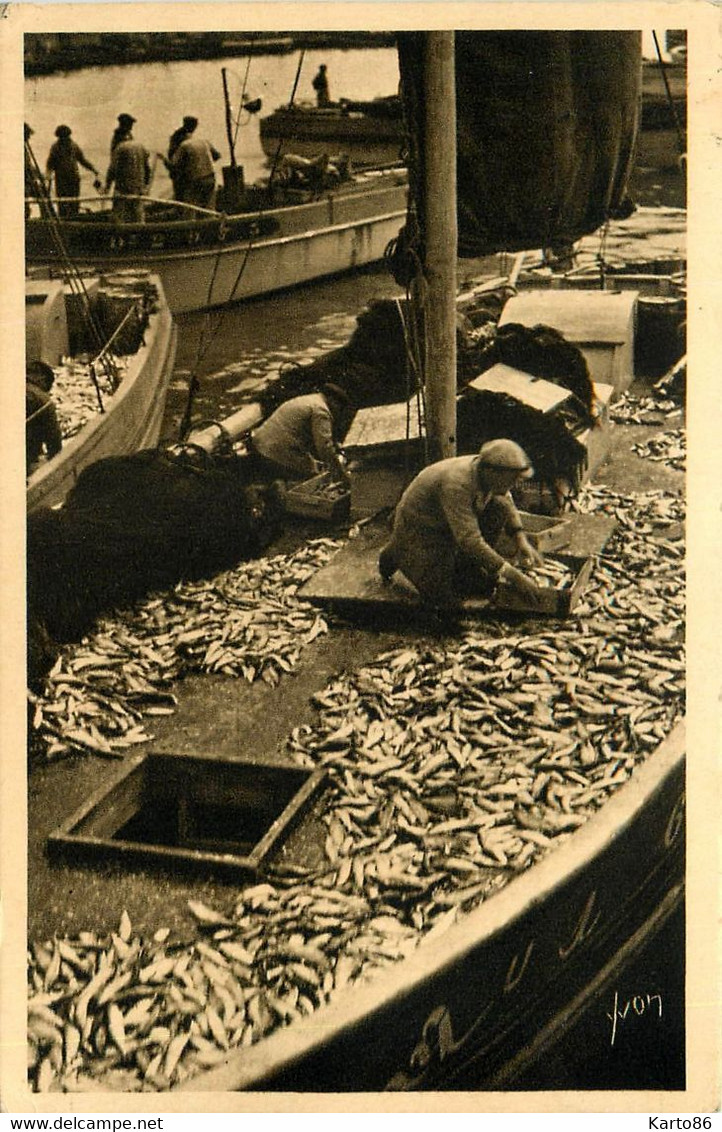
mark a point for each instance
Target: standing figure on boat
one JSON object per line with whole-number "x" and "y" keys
{"x": 184, "y": 130}
{"x": 129, "y": 171}
{"x": 64, "y": 161}
{"x": 122, "y": 130}
{"x": 42, "y": 430}
{"x": 449, "y": 522}
{"x": 300, "y": 439}
{"x": 194, "y": 180}
{"x": 320, "y": 85}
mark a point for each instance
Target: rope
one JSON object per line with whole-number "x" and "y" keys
{"x": 670, "y": 100}
{"x": 241, "y": 104}
{"x": 213, "y": 321}
{"x": 68, "y": 269}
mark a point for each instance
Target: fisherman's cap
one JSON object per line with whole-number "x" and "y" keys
{"x": 505, "y": 454}
{"x": 190, "y": 122}
{"x": 335, "y": 391}
{"x": 126, "y": 119}
{"x": 63, "y": 132}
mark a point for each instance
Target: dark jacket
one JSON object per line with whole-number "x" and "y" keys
{"x": 42, "y": 430}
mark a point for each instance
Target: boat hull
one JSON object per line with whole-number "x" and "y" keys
{"x": 460, "y": 1012}
{"x": 296, "y": 244}
{"x": 132, "y": 419}
{"x": 367, "y": 140}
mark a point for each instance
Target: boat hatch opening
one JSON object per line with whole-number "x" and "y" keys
{"x": 194, "y": 812}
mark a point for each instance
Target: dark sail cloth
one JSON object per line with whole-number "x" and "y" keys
{"x": 546, "y": 127}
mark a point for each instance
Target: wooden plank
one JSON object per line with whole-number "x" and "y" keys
{"x": 109, "y": 807}
{"x": 536, "y": 392}
{"x": 384, "y": 425}
{"x": 351, "y": 580}
{"x": 292, "y": 814}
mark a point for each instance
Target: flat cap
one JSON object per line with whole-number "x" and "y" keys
{"x": 126, "y": 119}
{"x": 503, "y": 453}
{"x": 190, "y": 122}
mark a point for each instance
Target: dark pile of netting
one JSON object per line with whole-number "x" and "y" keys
{"x": 373, "y": 369}
{"x": 133, "y": 524}
{"x": 543, "y": 352}
{"x": 554, "y": 451}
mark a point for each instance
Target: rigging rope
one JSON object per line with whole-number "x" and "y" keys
{"x": 670, "y": 100}
{"x": 213, "y": 320}
{"x": 242, "y": 101}
{"x": 69, "y": 271}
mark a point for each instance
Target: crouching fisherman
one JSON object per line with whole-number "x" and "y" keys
{"x": 43, "y": 437}
{"x": 449, "y": 521}
{"x": 300, "y": 439}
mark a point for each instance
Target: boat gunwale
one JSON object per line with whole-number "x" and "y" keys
{"x": 433, "y": 957}
{"x": 146, "y": 259}
{"x": 397, "y": 178}
{"x": 160, "y": 322}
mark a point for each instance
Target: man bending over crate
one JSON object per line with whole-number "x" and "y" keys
{"x": 449, "y": 521}
{"x": 300, "y": 439}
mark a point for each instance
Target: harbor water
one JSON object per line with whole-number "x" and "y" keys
{"x": 159, "y": 95}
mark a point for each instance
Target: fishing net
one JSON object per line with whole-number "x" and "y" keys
{"x": 133, "y": 524}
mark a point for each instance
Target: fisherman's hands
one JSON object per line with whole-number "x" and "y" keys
{"x": 526, "y": 553}
{"x": 518, "y": 581}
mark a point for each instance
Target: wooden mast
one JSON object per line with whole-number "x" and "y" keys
{"x": 229, "y": 118}
{"x": 441, "y": 241}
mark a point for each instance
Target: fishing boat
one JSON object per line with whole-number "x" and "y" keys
{"x": 370, "y": 132}
{"x": 273, "y": 239}
{"x": 123, "y": 366}
{"x": 373, "y": 131}
{"x": 481, "y": 1005}
{"x": 480, "y": 1002}
{"x": 485, "y": 1002}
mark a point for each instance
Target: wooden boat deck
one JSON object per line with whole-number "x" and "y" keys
{"x": 524, "y": 963}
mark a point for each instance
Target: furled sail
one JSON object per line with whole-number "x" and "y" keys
{"x": 546, "y": 127}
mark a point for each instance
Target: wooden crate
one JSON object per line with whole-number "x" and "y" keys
{"x": 319, "y": 498}
{"x": 552, "y": 601}
{"x": 46, "y": 324}
{"x": 601, "y": 323}
{"x": 191, "y": 812}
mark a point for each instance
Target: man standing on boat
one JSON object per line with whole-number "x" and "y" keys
{"x": 451, "y": 518}
{"x": 129, "y": 171}
{"x": 184, "y": 131}
{"x": 64, "y": 161}
{"x": 320, "y": 85}
{"x": 122, "y": 130}
{"x": 194, "y": 180}
{"x": 300, "y": 438}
